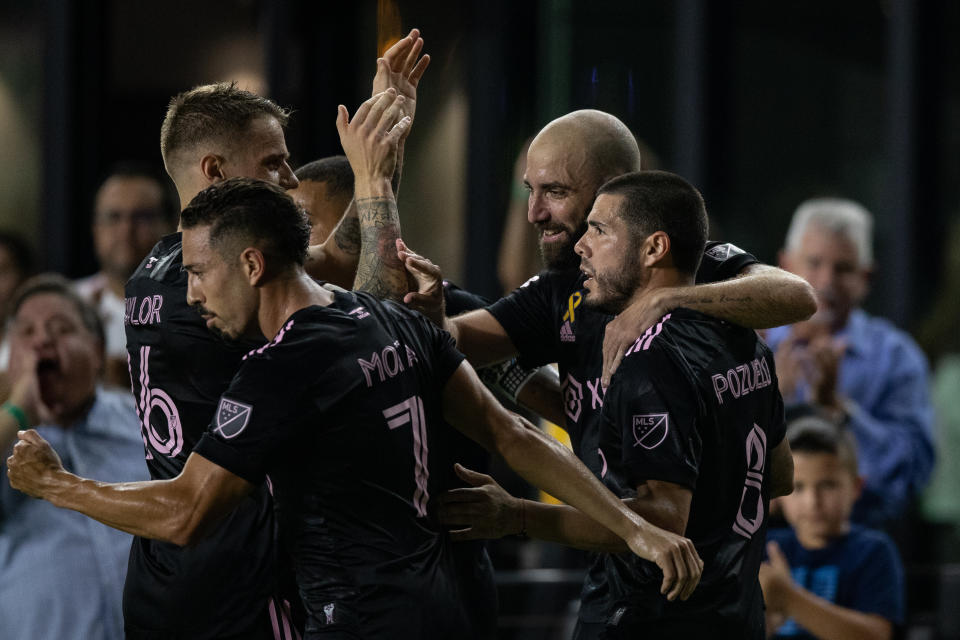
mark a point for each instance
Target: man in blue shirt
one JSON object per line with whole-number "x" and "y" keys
{"x": 859, "y": 368}
{"x": 63, "y": 573}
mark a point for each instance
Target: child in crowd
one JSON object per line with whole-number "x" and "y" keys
{"x": 825, "y": 577}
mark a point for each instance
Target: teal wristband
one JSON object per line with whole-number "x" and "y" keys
{"x": 18, "y": 415}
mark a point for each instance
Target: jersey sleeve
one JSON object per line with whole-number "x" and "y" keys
{"x": 652, "y": 409}
{"x": 722, "y": 261}
{"x": 528, "y": 316}
{"x": 446, "y": 356}
{"x": 258, "y": 414}
{"x": 879, "y": 585}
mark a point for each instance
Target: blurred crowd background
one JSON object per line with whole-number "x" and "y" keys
{"x": 760, "y": 105}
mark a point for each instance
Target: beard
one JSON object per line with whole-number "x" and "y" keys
{"x": 612, "y": 290}
{"x": 558, "y": 256}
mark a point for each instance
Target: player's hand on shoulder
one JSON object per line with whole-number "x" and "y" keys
{"x": 426, "y": 284}
{"x": 481, "y": 511}
{"x": 676, "y": 556}
{"x": 623, "y": 331}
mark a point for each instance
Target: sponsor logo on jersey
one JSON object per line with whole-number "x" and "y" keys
{"x": 721, "y": 252}
{"x": 232, "y": 418}
{"x": 650, "y": 429}
{"x": 572, "y": 397}
{"x": 566, "y": 333}
{"x": 360, "y": 312}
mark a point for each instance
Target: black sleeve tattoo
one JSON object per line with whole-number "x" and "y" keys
{"x": 347, "y": 232}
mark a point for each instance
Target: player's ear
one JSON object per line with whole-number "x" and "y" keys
{"x": 656, "y": 247}
{"x": 211, "y": 165}
{"x": 252, "y": 263}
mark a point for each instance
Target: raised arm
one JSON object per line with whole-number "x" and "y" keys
{"x": 370, "y": 142}
{"x": 760, "y": 297}
{"x": 180, "y": 510}
{"x": 400, "y": 69}
{"x": 545, "y": 463}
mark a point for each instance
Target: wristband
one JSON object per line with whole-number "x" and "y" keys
{"x": 18, "y": 415}
{"x": 507, "y": 377}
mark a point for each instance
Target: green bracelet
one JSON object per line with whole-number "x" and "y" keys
{"x": 18, "y": 415}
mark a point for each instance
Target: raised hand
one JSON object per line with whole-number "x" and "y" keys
{"x": 401, "y": 69}
{"x": 483, "y": 510}
{"x": 33, "y": 464}
{"x": 370, "y": 139}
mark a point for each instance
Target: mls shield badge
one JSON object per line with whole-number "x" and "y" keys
{"x": 232, "y": 418}
{"x": 650, "y": 430}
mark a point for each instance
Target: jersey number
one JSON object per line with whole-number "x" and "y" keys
{"x": 149, "y": 400}
{"x": 749, "y": 520}
{"x": 410, "y": 411}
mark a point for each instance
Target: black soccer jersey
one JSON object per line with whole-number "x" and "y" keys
{"x": 342, "y": 408}
{"x": 178, "y": 369}
{"x": 547, "y": 322}
{"x": 695, "y": 402}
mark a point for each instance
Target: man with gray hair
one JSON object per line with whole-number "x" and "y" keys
{"x": 856, "y": 367}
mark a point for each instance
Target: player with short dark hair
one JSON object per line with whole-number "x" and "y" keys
{"x": 351, "y": 451}
{"x": 225, "y": 585}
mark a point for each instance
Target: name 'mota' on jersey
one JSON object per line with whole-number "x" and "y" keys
{"x": 548, "y": 322}
{"x": 695, "y": 402}
{"x": 178, "y": 369}
{"x": 343, "y": 408}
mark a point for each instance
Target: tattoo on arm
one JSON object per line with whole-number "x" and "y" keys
{"x": 347, "y": 232}
{"x": 395, "y": 180}
{"x": 380, "y": 270}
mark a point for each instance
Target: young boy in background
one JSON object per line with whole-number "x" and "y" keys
{"x": 825, "y": 577}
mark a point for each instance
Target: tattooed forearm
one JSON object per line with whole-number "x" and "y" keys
{"x": 380, "y": 270}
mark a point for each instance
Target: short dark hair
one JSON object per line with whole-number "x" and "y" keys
{"x": 333, "y": 170}
{"x": 219, "y": 111}
{"x": 56, "y": 284}
{"x": 255, "y": 211}
{"x": 663, "y": 201}
{"x": 816, "y": 434}
{"x": 20, "y": 252}
{"x": 169, "y": 200}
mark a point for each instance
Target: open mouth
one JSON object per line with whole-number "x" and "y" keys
{"x": 47, "y": 366}
{"x": 553, "y": 235}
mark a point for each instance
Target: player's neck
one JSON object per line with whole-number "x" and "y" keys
{"x": 285, "y": 296}
{"x": 660, "y": 279}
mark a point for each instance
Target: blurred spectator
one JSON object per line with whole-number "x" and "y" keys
{"x": 940, "y": 337}
{"x": 16, "y": 264}
{"x": 63, "y": 573}
{"x": 134, "y": 207}
{"x": 825, "y": 577}
{"x": 861, "y": 369}
{"x": 325, "y": 192}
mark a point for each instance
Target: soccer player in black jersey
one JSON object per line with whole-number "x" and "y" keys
{"x": 690, "y": 432}
{"x": 223, "y": 586}
{"x": 341, "y": 408}
{"x": 544, "y": 320}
